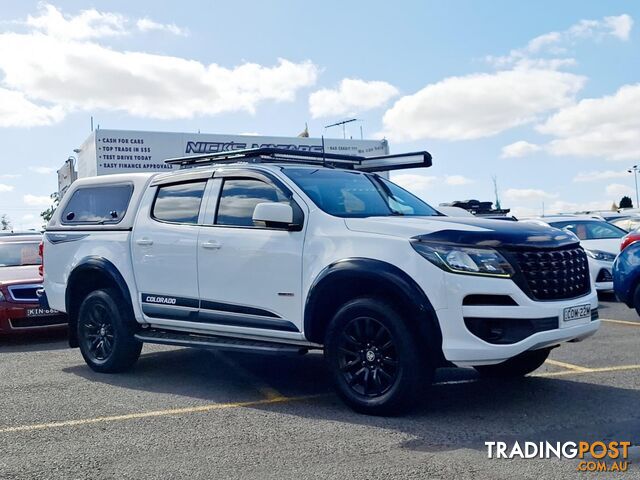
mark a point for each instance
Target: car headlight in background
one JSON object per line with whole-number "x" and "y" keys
{"x": 468, "y": 260}
{"x": 600, "y": 255}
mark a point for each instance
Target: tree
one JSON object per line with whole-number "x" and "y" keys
{"x": 5, "y": 223}
{"x": 625, "y": 202}
{"x": 48, "y": 213}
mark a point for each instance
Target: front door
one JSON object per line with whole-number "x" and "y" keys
{"x": 250, "y": 275}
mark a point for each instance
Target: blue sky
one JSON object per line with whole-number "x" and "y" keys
{"x": 545, "y": 95}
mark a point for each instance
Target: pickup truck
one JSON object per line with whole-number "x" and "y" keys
{"x": 275, "y": 251}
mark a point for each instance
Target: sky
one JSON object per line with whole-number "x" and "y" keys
{"x": 543, "y": 95}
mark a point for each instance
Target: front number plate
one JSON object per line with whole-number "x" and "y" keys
{"x": 579, "y": 312}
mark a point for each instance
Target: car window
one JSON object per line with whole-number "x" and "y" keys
{"x": 179, "y": 203}
{"x": 16, "y": 254}
{"x": 98, "y": 205}
{"x": 239, "y": 197}
{"x": 627, "y": 224}
{"x": 590, "y": 230}
{"x": 352, "y": 194}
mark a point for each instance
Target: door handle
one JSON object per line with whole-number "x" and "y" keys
{"x": 211, "y": 244}
{"x": 144, "y": 241}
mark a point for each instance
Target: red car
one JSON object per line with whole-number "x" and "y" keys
{"x": 19, "y": 280}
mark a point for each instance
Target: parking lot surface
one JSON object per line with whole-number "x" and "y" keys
{"x": 184, "y": 413}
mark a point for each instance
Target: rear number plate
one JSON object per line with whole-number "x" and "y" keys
{"x": 40, "y": 312}
{"x": 578, "y": 312}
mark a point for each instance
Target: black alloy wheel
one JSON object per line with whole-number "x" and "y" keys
{"x": 106, "y": 331}
{"x": 368, "y": 358}
{"x": 98, "y": 333}
{"x": 378, "y": 364}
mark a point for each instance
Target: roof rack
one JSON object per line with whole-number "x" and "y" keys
{"x": 420, "y": 159}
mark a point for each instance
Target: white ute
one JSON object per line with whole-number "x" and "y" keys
{"x": 280, "y": 251}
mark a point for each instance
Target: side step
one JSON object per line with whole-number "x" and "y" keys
{"x": 210, "y": 342}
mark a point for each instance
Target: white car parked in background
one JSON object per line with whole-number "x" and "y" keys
{"x": 600, "y": 239}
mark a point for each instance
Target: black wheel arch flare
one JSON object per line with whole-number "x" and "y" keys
{"x": 100, "y": 270}
{"x": 348, "y": 273}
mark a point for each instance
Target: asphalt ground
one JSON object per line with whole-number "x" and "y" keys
{"x": 192, "y": 414}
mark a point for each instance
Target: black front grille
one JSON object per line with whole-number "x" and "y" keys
{"x": 556, "y": 274}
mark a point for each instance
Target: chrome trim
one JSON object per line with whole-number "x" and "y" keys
{"x": 35, "y": 286}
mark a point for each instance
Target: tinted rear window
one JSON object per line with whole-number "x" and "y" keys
{"x": 98, "y": 205}
{"x": 179, "y": 203}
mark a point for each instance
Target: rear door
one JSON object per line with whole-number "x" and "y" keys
{"x": 164, "y": 251}
{"x": 250, "y": 275}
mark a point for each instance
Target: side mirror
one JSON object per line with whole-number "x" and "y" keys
{"x": 276, "y": 215}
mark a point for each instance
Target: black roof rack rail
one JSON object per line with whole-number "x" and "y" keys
{"x": 280, "y": 155}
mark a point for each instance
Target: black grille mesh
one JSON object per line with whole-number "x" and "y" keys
{"x": 554, "y": 274}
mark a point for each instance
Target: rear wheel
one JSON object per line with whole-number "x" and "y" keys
{"x": 376, "y": 365}
{"x": 517, "y": 366}
{"x": 106, "y": 332}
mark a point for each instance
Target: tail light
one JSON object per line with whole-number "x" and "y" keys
{"x": 628, "y": 239}
{"x": 41, "y": 253}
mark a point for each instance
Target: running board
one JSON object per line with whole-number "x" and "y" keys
{"x": 211, "y": 342}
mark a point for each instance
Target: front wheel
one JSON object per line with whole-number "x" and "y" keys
{"x": 106, "y": 332}
{"x": 517, "y": 366}
{"x": 374, "y": 360}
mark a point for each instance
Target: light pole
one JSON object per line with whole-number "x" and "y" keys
{"x": 634, "y": 170}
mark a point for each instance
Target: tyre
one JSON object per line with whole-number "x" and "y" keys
{"x": 375, "y": 361}
{"x": 106, "y": 330}
{"x": 517, "y": 366}
{"x": 636, "y": 299}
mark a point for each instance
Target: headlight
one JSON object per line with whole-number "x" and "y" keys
{"x": 600, "y": 255}
{"x": 469, "y": 260}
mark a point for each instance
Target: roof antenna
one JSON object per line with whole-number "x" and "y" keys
{"x": 324, "y": 160}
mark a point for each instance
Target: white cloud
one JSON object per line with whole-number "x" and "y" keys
{"x": 37, "y": 200}
{"x": 556, "y": 44}
{"x": 519, "y": 149}
{"x": 602, "y": 175}
{"x": 620, "y": 26}
{"x": 618, "y": 190}
{"x": 10, "y": 175}
{"x": 457, "y": 180}
{"x": 607, "y": 127}
{"x": 616, "y": 26}
{"x": 6, "y": 188}
{"x": 18, "y": 111}
{"x": 147, "y": 25}
{"x": 28, "y": 217}
{"x": 351, "y": 96}
{"x": 479, "y": 105}
{"x": 49, "y": 73}
{"x": 528, "y": 194}
{"x": 42, "y": 170}
{"x": 87, "y": 24}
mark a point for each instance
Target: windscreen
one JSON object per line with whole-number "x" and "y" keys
{"x": 16, "y": 254}
{"x": 590, "y": 229}
{"x": 344, "y": 193}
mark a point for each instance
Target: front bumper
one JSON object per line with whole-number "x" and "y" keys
{"x": 17, "y": 317}
{"x": 461, "y": 347}
{"x": 600, "y": 272}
